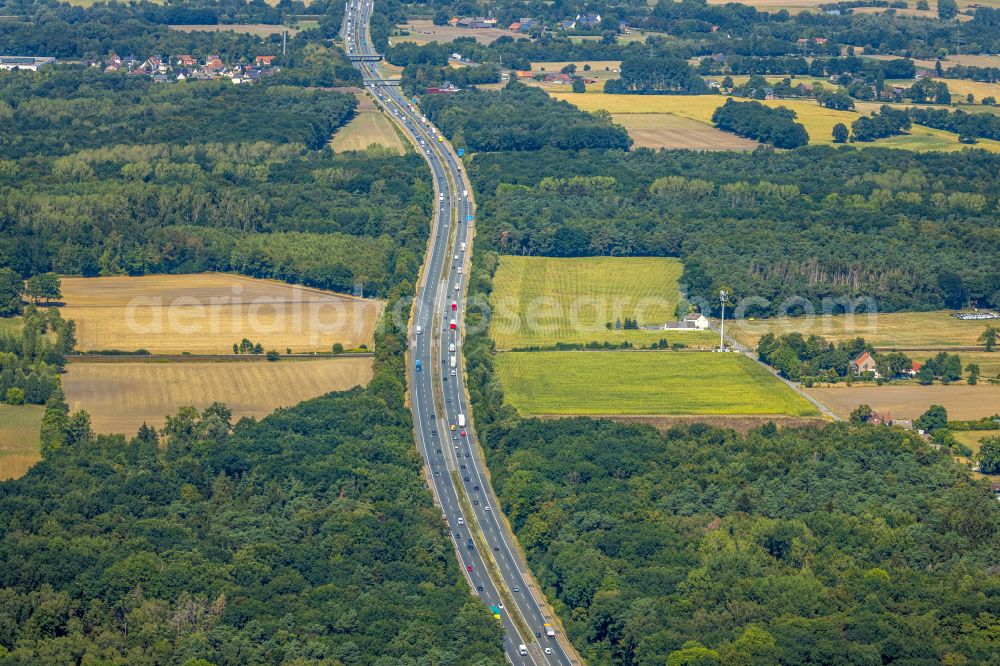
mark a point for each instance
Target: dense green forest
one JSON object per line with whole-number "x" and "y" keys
{"x": 906, "y": 230}
{"x": 306, "y": 538}
{"x": 842, "y": 545}
{"x": 695, "y": 28}
{"x": 520, "y": 118}
{"x": 117, "y": 176}
{"x": 48, "y": 27}
{"x": 32, "y": 357}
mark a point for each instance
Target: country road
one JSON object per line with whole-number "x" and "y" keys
{"x": 455, "y": 468}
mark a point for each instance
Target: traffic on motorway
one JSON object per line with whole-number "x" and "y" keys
{"x": 444, "y": 436}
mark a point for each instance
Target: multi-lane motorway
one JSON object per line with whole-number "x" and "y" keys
{"x": 438, "y": 400}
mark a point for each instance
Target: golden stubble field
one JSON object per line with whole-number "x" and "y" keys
{"x": 369, "y": 127}
{"x": 121, "y": 396}
{"x": 908, "y": 402}
{"x": 206, "y": 313}
{"x": 665, "y": 130}
{"x": 19, "y": 425}
{"x": 893, "y": 330}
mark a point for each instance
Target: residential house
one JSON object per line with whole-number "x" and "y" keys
{"x": 914, "y": 368}
{"x": 524, "y": 24}
{"x": 186, "y": 61}
{"x": 559, "y": 78}
{"x": 864, "y": 364}
{"x": 264, "y": 60}
{"x": 515, "y": 26}
{"x": 588, "y": 21}
{"x": 523, "y": 75}
{"x": 567, "y": 24}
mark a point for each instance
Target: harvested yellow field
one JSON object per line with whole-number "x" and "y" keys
{"x": 205, "y": 313}
{"x": 979, "y": 89}
{"x": 908, "y": 402}
{"x": 895, "y": 330}
{"x": 599, "y": 69}
{"x": 370, "y": 127}
{"x": 423, "y": 31}
{"x": 19, "y": 426}
{"x": 817, "y": 120}
{"x": 664, "y": 130}
{"x": 121, "y": 396}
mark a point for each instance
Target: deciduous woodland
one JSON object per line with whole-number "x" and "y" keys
{"x": 108, "y": 176}
{"x": 307, "y": 537}
{"x": 906, "y": 230}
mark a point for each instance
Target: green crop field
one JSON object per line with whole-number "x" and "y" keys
{"x": 646, "y": 383}
{"x": 544, "y": 300}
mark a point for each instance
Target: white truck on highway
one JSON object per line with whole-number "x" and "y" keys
{"x": 549, "y": 630}
{"x": 461, "y": 420}
{"x": 452, "y": 361}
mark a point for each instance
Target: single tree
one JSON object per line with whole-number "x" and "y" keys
{"x": 989, "y": 455}
{"x": 441, "y": 18}
{"x": 989, "y": 337}
{"x": 338, "y": 348}
{"x": 579, "y": 86}
{"x": 973, "y": 370}
{"x": 840, "y": 133}
{"x": 947, "y": 9}
{"x": 861, "y": 414}
{"x": 934, "y": 418}
{"x": 46, "y": 286}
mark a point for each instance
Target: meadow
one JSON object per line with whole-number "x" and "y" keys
{"x": 665, "y": 130}
{"x": 205, "y": 313}
{"x": 19, "y": 426}
{"x": 817, "y": 120}
{"x": 909, "y": 402}
{"x": 896, "y": 330}
{"x": 648, "y": 383}
{"x": 122, "y": 395}
{"x": 973, "y": 438}
{"x": 544, "y": 300}
{"x": 370, "y": 127}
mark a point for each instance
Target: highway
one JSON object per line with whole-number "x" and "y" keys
{"x": 454, "y": 464}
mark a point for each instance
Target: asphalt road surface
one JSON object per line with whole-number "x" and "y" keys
{"x": 437, "y": 396}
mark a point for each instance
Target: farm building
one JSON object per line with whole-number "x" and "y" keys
{"x": 692, "y": 322}
{"x": 24, "y": 62}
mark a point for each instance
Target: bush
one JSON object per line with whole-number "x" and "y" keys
{"x": 14, "y": 396}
